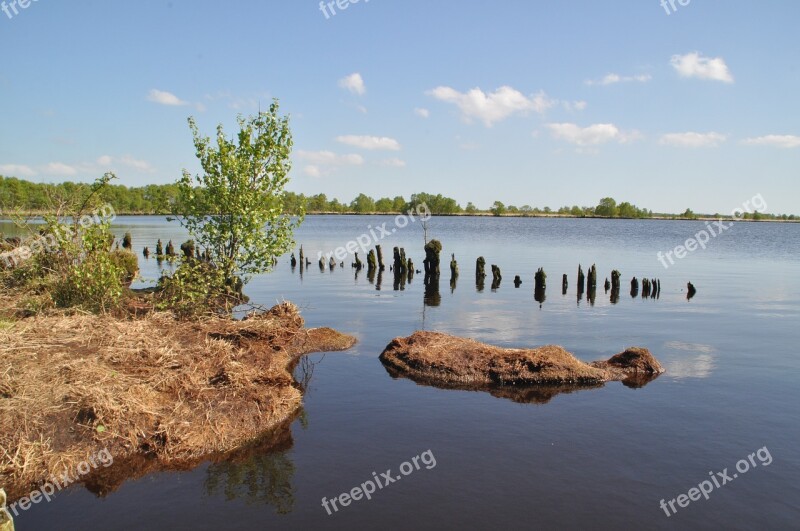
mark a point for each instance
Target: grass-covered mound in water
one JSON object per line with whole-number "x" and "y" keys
{"x": 72, "y": 385}
{"x": 443, "y": 360}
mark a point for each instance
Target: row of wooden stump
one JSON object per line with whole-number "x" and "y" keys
{"x": 403, "y": 269}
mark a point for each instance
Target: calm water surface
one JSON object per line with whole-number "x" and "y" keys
{"x": 598, "y": 458}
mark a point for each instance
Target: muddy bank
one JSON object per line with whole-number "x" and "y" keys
{"x": 155, "y": 392}
{"x": 522, "y": 375}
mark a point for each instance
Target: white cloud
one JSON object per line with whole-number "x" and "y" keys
{"x": 612, "y": 79}
{"x": 59, "y": 168}
{"x": 370, "y": 142}
{"x": 574, "y": 105}
{"x": 141, "y": 165}
{"x": 495, "y": 106}
{"x": 108, "y": 161}
{"x": 16, "y": 170}
{"x": 393, "y": 163}
{"x": 165, "y": 98}
{"x": 693, "y": 140}
{"x": 591, "y": 135}
{"x": 695, "y": 65}
{"x": 782, "y": 141}
{"x": 320, "y": 163}
{"x": 422, "y": 113}
{"x": 354, "y": 83}
{"x": 312, "y": 171}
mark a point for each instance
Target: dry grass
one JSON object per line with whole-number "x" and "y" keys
{"x": 446, "y": 361}
{"x": 73, "y": 385}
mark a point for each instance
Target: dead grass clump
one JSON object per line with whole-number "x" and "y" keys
{"x": 442, "y": 360}
{"x": 73, "y": 385}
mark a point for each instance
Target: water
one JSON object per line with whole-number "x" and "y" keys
{"x": 600, "y": 458}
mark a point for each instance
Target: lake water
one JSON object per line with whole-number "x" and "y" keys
{"x": 598, "y": 458}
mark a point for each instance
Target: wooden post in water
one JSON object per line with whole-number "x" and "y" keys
{"x": 453, "y": 267}
{"x": 372, "y": 264}
{"x": 634, "y": 287}
{"x": 564, "y": 284}
{"x": 497, "y": 277}
{"x": 480, "y": 268}
{"x": 381, "y": 265}
{"x": 432, "y": 250}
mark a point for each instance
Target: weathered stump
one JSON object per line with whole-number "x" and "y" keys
{"x": 146, "y": 253}
{"x": 453, "y": 267}
{"x": 564, "y": 284}
{"x": 379, "y": 251}
{"x": 372, "y": 263}
{"x": 480, "y": 267}
{"x": 432, "y": 250}
{"x": 517, "y": 281}
{"x": 691, "y": 291}
{"x": 187, "y": 248}
{"x": 159, "y": 248}
{"x": 497, "y": 277}
{"x": 293, "y": 261}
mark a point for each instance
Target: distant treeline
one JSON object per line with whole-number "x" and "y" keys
{"x": 20, "y": 195}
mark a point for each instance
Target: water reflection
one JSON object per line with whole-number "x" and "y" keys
{"x": 523, "y": 394}
{"x": 432, "y": 296}
{"x": 259, "y": 474}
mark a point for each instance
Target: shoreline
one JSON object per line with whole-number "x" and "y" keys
{"x": 703, "y": 217}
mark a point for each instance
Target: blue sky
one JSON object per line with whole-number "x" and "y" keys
{"x": 538, "y": 103}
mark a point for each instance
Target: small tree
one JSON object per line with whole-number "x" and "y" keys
{"x": 235, "y": 209}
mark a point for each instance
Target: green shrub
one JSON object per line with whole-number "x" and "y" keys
{"x": 126, "y": 261}
{"x": 195, "y": 288}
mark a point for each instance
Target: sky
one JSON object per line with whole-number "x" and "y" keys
{"x": 528, "y": 103}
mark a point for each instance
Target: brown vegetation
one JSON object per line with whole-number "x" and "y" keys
{"x": 172, "y": 390}
{"x": 524, "y": 375}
